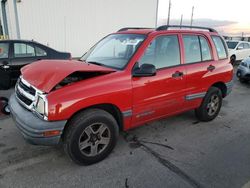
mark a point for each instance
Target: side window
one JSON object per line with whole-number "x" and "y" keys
{"x": 40, "y": 52}
{"x": 23, "y": 50}
{"x": 246, "y": 46}
{"x": 220, "y": 47}
{"x": 192, "y": 48}
{"x": 164, "y": 51}
{"x": 205, "y": 49}
{"x": 4, "y": 50}
{"x": 240, "y": 47}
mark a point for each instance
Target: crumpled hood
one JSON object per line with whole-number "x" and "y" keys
{"x": 46, "y": 74}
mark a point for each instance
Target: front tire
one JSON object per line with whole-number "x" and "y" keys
{"x": 210, "y": 106}
{"x": 90, "y": 136}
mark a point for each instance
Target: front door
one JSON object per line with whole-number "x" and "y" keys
{"x": 162, "y": 94}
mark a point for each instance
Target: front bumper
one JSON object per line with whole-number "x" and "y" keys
{"x": 32, "y": 127}
{"x": 243, "y": 72}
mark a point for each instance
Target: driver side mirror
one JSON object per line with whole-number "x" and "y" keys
{"x": 144, "y": 70}
{"x": 240, "y": 48}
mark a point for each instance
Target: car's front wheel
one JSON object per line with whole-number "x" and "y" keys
{"x": 210, "y": 106}
{"x": 90, "y": 136}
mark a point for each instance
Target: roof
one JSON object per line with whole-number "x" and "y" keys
{"x": 147, "y": 31}
{"x": 168, "y": 29}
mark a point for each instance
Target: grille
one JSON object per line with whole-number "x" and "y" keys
{"x": 24, "y": 99}
{"x": 25, "y": 93}
{"x": 29, "y": 90}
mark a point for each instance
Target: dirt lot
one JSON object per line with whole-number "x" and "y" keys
{"x": 174, "y": 152}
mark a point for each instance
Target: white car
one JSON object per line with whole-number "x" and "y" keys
{"x": 238, "y": 50}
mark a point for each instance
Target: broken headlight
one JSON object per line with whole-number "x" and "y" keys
{"x": 41, "y": 106}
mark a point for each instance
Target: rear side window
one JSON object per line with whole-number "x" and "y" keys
{"x": 220, "y": 47}
{"x": 196, "y": 49}
{"x": 164, "y": 51}
{"x": 40, "y": 52}
{"x": 4, "y": 50}
{"x": 192, "y": 48}
{"x": 205, "y": 49}
{"x": 246, "y": 46}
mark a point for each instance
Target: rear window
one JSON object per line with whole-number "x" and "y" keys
{"x": 220, "y": 47}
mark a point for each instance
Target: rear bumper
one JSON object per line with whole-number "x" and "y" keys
{"x": 32, "y": 127}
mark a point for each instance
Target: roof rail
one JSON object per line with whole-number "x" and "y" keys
{"x": 166, "y": 27}
{"x": 130, "y": 28}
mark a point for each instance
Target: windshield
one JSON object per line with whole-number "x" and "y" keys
{"x": 231, "y": 45}
{"x": 114, "y": 51}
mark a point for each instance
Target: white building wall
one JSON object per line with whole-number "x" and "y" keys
{"x": 76, "y": 25}
{"x": 10, "y": 13}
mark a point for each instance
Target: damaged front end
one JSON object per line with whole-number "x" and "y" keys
{"x": 76, "y": 77}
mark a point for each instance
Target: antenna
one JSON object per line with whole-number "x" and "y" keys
{"x": 169, "y": 9}
{"x": 181, "y": 20}
{"x": 192, "y": 15}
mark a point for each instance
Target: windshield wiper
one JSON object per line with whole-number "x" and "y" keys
{"x": 95, "y": 63}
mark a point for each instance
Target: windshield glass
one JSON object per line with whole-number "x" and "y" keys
{"x": 231, "y": 45}
{"x": 114, "y": 51}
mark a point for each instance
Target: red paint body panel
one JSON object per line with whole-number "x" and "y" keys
{"x": 45, "y": 74}
{"x": 148, "y": 98}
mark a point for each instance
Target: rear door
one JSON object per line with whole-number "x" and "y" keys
{"x": 246, "y": 50}
{"x": 240, "y": 52}
{"x": 200, "y": 65}
{"x": 162, "y": 94}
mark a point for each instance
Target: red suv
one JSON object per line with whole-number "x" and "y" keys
{"x": 129, "y": 78}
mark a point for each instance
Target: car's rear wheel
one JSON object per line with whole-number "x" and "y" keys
{"x": 210, "y": 106}
{"x": 90, "y": 136}
{"x": 233, "y": 60}
{"x": 5, "y": 109}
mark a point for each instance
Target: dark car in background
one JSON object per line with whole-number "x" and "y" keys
{"x": 14, "y": 54}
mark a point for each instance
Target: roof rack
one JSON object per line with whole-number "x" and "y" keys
{"x": 166, "y": 27}
{"x": 131, "y": 28}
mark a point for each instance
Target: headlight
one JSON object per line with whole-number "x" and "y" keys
{"x": 41, "y": 106}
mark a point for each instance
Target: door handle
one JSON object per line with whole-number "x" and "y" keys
{"x": 177, "y": 74}
{"x": 6, "y": 66}
{"x": 210, "y": 68}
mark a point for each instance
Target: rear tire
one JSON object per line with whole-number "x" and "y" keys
{"x": 233, "y": 60}
{"x": 210, "y": 106}
{"x": 90, "y": 136}
{"x": 5, "y": 110}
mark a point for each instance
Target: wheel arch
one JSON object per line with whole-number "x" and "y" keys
{"x": 110, "y": 108}
{"x": 222, "y": 86}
